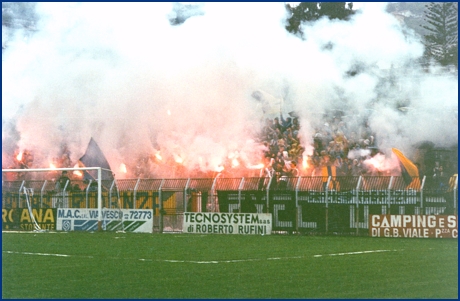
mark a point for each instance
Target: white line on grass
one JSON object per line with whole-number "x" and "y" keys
{"x": 44, "y": 254}
{"x": 204, "y": 262}
{"x": 353, "y": 253}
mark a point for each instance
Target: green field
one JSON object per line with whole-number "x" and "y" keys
{"x": 131, "y": 265}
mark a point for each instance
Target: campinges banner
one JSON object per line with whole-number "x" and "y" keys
{"x": 420, "y": 226}
{"x": 227, "y": 223}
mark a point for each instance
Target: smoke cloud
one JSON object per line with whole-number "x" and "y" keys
{"x": 169, "y": 100}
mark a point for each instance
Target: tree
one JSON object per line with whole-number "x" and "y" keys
{"x": 442, "y": 41}
{"x": 181, "y": 12}
{"x": 312, "y": 11}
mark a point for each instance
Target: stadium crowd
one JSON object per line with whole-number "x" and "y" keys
{"x": 335, "y": 145}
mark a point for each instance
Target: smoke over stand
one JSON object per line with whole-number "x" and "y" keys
{"x": 176, "y": 100}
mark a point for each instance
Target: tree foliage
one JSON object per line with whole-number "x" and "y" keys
{"x": 442, "y": 24}
{"x": 312, "y": 11}
{"x": 181, "y": 12}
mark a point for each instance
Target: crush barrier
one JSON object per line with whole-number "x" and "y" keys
{"x": 302, "y": 204}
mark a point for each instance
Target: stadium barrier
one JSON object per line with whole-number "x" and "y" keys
{"x": 302, "y": 204}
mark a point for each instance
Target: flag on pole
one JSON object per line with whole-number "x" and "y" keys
{"x": 94, "y": 157}
{"x": 271, "y": 106}
{"x": 408, "y": 169}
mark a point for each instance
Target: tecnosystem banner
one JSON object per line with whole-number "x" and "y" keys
{"x": 227, "y": 223}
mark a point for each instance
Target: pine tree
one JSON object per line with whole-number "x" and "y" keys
{"x": 442, "y": 41}
{"x": 312, "y": 11}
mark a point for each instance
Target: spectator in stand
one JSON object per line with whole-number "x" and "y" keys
{"x": 437, "y": 170}
{"x": 333, "y": 139}
{"x": 293, "y": 171}
{"x": 286, "y": 123}
{"x": 355, "y": 168}
{"x": 277, "y": 126}
{"x": 295, "y": 124}
{"x": 63, "y": 181}
{"x": 345, "y": 169}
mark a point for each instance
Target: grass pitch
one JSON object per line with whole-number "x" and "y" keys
{"x": 134, "y": 265}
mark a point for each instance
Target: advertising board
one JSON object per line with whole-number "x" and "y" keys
{"x": 22, "y": 219}
{"x": 129, "y": 220}
{"x": 227, "y": 223}
{"x": 413, "y": 226}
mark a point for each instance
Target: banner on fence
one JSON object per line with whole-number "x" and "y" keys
{"x": 22, "y": 219}
{"x": 227, "y": 223}
{"x": 413, "y": 226}
{"x": 129, "y": 220}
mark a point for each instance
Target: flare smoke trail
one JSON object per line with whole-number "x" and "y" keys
{"x": 121, "y": 73}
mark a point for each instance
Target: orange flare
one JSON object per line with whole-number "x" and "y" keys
{"x": 158, "y": 156}
{"x": 305, "y": 164}
{"x": 235, "y": 163}
{"x": 78, "y": 173}
{"x": 178, "y": 159}
{"x": 258, "y": 166}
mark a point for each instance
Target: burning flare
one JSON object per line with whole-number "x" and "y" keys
{"x": 305, "y": 163}
{"x": 19, "y": 157}
{"x": 158, "y": 156}
{"x": 257, "y": 166}
{"x": 178, "y": 159}
{"x": 78, "y": 173}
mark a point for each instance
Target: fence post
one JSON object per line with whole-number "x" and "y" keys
{"x": 19, "y": 193}
{"x": 135, "y": 193}
{"x": 87, "y": 191}
{"x": 390, "y": 185}
{"x": 297, "y": 204}
{"x": 63, "y": 196}
{"x": 41, "y": 194}
{"x": 421, "y": 194}
{"x": 110, "y": 194}
{"x": 455, "y": 194}
{"x": 239, "y": 194}
{"x": 268, "y": 193}
{"x": 213, "y": 192}
{"x": 99, "y": 198}
{"x": 327, "y": 203}
{"x": 160, "y": 222}
{"x": 357, "y": 204}
{"x": 186, "y": 195}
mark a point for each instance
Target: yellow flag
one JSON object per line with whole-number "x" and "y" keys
{"x": 408, "y": 169}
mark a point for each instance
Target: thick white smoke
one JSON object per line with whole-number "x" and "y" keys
{"x": 150, "y": 93}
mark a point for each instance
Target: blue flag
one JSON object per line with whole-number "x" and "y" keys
{"x": 94, "y": 157}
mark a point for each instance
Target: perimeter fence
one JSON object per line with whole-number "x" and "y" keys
{"x": 319, "y": 205}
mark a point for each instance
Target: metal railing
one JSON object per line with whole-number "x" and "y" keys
{"x": 170, "y": 198}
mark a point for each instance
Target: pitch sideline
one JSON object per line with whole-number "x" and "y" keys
{"x": 205, "y": 262}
